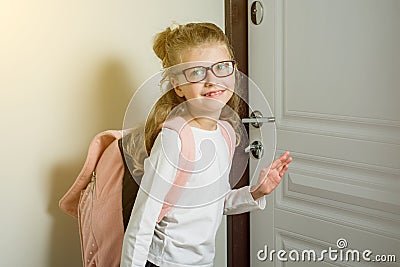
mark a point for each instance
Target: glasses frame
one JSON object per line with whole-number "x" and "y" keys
{"x": 211, "y": 69}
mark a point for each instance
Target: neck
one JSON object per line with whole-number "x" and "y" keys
{"x": 205, "y": 122}
{"x": 203, "y": 114}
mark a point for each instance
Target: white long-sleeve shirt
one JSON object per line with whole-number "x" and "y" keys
{"x": 186, "y": 235}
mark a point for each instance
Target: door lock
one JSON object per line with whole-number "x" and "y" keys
{"x": 256, "y": 148}
{"x": 257, "y": 12}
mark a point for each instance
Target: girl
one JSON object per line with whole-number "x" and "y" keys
{"x": 199, "y": 66}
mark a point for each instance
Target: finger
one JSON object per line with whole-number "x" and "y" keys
{"x": 290, "y": 159}
{"x": 283, "y": 171}
{"x": 276, "y": 163}
{"x": 285, "y": 157}
{"x": 279, "y": 161}
{"x": 287, "y": 161}
{"x": 279, "y": 169}
{"x": 286, "y": 165}
{"x": 282, "y": 166}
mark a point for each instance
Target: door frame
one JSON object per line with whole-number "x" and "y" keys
{"x": 238, "y": 226}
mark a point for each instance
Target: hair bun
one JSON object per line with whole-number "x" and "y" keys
{"x": 160, "y": 44}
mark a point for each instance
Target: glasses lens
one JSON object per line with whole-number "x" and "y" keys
{"x": 223, "y": 69}
{"x": 195, "y": 74}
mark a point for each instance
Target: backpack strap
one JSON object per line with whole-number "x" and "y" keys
{"x": 69, "y": 202}
{"x": 129, "y": 187}
{"x": 229, "y": 135}
{"x": 185, "y": 162}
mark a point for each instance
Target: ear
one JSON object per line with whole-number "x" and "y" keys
{"x": 175, "y": 84}
{"x": 178, "y": 91}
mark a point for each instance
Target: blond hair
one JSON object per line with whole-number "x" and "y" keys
{"x": 169, "y": 46}
{"x": 173, "y": 41}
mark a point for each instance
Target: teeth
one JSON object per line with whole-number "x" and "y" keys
{"x": 214, "y": 93}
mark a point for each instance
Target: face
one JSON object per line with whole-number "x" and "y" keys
{"x": 212, "y": 92}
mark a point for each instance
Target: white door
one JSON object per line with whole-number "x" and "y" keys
{"x": 330, "y": 70}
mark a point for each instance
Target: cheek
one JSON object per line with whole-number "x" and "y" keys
{"x": 229, "y": 82}
{"x": 191, "y": 90}
{"x": 229, "y": 95}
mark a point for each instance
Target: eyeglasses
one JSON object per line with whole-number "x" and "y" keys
{"x": 219, "y": 69}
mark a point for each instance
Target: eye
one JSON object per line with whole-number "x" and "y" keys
{"x": 222, "y": 66}
{"x": 197, "y": 72}
{"x": 223, "y": 69}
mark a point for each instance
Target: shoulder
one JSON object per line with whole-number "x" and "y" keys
{"x": 167, "y": 139}
{"x": 165, "y": 151}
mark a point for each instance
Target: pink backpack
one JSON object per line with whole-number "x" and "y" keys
{"x": 104, "y": 192}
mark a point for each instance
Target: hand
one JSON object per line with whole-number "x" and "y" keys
{"x": 271, "y": 176}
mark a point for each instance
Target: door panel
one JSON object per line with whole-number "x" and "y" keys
{"x": 330, "y": 70}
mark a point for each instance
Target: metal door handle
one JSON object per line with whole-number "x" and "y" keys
{"x": 256, "y": 119}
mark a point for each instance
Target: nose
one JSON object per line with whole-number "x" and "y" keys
{"x": 210, "y": 79}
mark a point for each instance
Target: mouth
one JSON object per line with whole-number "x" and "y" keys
{"x": 215, "y": 93}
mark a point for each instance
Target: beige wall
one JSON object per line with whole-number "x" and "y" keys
{"x": 67, "y": 71}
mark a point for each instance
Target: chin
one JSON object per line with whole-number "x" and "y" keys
{"x": 207, "y": 106}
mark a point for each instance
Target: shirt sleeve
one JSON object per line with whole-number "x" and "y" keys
{"x": 240, "y": 200}
{"x": 159, "y": 173}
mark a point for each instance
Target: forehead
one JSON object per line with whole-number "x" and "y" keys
{"x": 206, "y": 53}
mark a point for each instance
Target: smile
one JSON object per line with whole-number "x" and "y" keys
{"x": 214, "y": 93}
